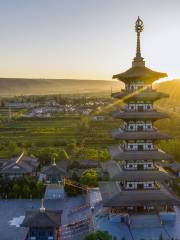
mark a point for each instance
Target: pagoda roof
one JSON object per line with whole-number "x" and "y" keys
{"x": 130, "y": 115}
{"x": 118, "y": 153}
{"x": 140, "y": 73}
{"x": 152, "y": 95}
{"x": 38, "y": 218}
{"x": 150, "y": 175}
{"x": 138, "y": 135}
{"x": 117, "y": 173}
{"x": 55, "y": 169}
{"x": 19, "y": 165}
{"x": 112, "y": 196}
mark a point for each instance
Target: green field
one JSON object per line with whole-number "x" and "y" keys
{"x": 55, "y": 132}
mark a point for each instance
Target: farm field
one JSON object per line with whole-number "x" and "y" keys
{"x": 55, "y": 132}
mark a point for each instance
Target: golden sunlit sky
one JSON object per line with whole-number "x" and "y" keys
{"x": 86, "y": 39}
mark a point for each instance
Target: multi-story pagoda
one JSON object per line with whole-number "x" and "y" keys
{"x": 138, "y": 184}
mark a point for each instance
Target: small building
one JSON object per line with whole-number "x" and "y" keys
{"x": 42, "y": 224}
{"x": 19, "y": 167}
{"x": 54, "y": 173}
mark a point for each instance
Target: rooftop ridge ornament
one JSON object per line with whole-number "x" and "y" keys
{"x": 42, "y": 208}
{"x": 54, "y": 162}
{"x": 138, "y": 60}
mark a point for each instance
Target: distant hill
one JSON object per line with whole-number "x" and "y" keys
{"x": 15, "y": 86}
{"x": 173, "y": 89}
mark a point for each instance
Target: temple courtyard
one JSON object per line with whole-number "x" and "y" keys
{"x": 76, "y": 211}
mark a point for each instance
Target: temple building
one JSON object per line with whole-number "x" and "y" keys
{"x": 42, "y": 224}
{"x": 18, "y": 167}
{"x": 54, "y": 175}
{"x": 137, "y": 181}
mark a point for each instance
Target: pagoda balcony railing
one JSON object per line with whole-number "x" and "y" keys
{"x": 156, "y": 187}
{"x": 137, "y": 110}
{"x": 143, "y": 189}
{"x": 140, "y": 89}
{"x": 125, "y": 168}
{"x": 124, "y": 149}
{"x": 122, "y": 130}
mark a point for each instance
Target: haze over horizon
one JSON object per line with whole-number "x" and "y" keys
{"x": 86, "y": 39}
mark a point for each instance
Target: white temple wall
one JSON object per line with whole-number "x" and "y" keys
{"x": 134, "y": 146}
{"x": 133, "y": 126}
{"x": 135, "y": 106}
{"x": 137, "y": 85}
{"x": 134, "y": 185}
{"x": 134, "y": 166}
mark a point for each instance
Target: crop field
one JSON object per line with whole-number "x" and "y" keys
{"x": 56, "y": 132}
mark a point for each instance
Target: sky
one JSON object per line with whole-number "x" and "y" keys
{"x": 86, "y": 39}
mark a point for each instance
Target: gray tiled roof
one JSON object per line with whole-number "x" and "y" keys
{"x": 118, "y": 154}
{"x": 138, "y": 135}
{"x": 140, "y": 73}
{"x": 119, "y": 198}
{"x": 139, "y": 115}
{"x": 22, "y": 164}
{"x": 142, "y": 95}
{"x": 36, "y": 218}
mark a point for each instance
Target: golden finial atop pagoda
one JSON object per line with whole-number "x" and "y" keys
{"x": 138, "y": 60}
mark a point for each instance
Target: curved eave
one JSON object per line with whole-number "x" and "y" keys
{"x": 140, "y": 73}
{"x": 118, "y": 155}
{"x": 141, "y": 198}
{"x": 139, "y": 115}
{"x": 153, "y": 135}
{"x": 142, "y": 176}
{"x": 149, "y": 96}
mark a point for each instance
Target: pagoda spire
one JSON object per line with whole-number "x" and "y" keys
{"x": 138, "y": 60}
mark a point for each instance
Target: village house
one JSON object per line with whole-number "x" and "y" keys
{"x": 19, "y": 167}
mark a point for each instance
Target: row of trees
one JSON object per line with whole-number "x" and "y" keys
{"x": 27, "y": 187}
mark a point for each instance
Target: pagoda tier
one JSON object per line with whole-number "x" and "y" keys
{"x": 127, "y": 96}
{"x": 118, "y": 173}
{"x": 139, "y": 176}
{"x": 135, "y": 115}
{"x": 112, "y": 196}
{"x": 121, "y": 134}
{"x": 118, "y": 153}
{"x": 139, "y": 73}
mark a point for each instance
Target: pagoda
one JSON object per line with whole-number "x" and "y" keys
{"x": 138, "y": 184}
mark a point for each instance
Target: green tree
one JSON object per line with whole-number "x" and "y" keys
{"x": 98, "y": 235}
{"x": 25, "y": 191}
{"x": 16, "y": 190}
{"x": 89, "y": 177}
{"x": 62, "y": 155}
